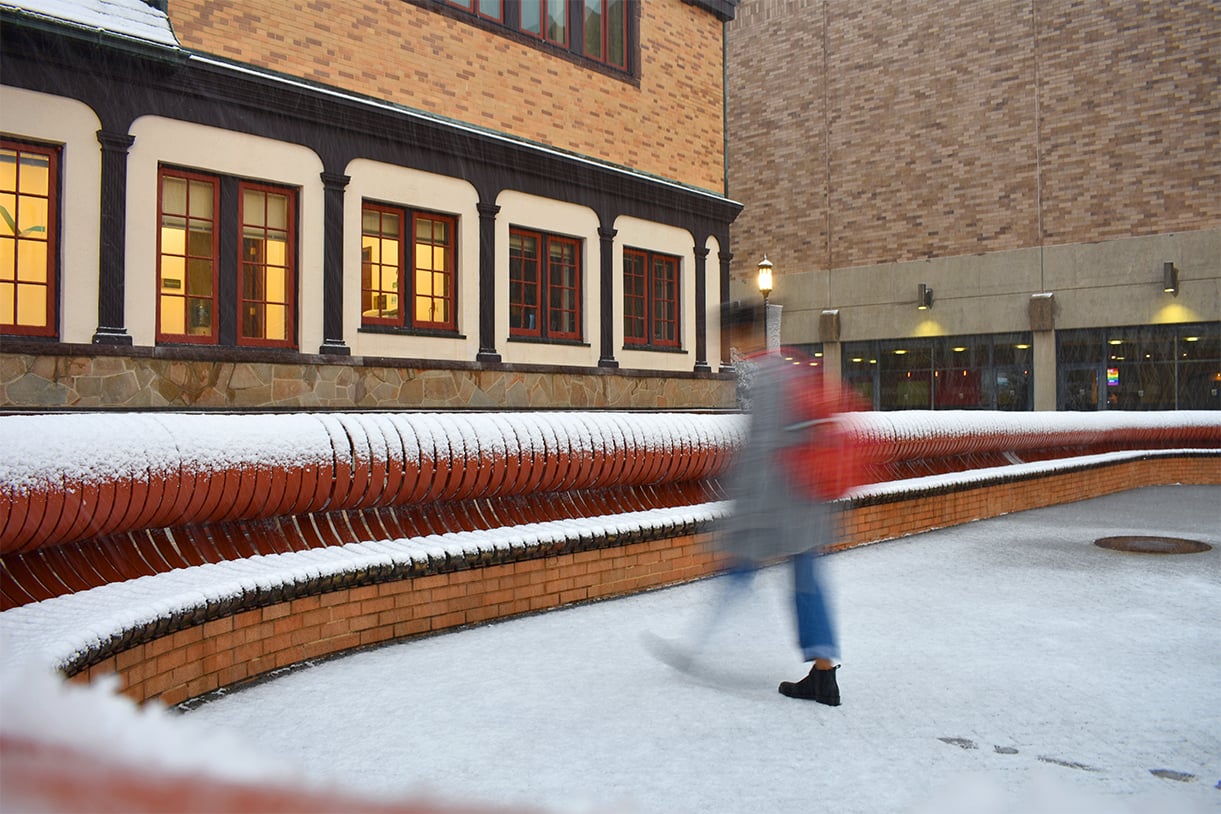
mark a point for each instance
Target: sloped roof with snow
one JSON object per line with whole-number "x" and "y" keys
{"x": 132, "y": 19}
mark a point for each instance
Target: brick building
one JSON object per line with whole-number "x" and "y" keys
{"x": 1043, "y": 168}
{"x": 376, "y": 203}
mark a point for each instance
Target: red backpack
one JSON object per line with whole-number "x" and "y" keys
{"x": 828, "y": 459}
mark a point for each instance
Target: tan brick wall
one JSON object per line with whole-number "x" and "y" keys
{"x": 669, "y": 123}
{"x": 925, "y": 129}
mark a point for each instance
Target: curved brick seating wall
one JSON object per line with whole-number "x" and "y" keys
{"x": 219, "y": 548}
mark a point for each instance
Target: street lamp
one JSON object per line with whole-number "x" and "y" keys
{"x": 764, "y": 281}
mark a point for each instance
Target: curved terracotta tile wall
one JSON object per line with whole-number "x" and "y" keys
{"x": 99, "y": 498}
{"x": 96, "y": 498}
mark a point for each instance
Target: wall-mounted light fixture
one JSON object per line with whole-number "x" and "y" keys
{"x": 764, "y": 281}
{"x": 924, "y": 297}
{"x": 1170, "y": 279}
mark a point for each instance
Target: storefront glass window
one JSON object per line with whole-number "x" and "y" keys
{"x": 1148, "y": 367}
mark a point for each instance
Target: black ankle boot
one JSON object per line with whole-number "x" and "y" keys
{"x": 819, "y": 685}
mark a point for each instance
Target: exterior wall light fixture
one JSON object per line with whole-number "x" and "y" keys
{"x": 764, "y": 281}
{"x": 924, "y": 297}
{"x": 1170, "y": 279}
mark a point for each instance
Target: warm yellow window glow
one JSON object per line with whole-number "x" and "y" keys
{"x": 187, "y": 258}
{"x": 26, "y": 248}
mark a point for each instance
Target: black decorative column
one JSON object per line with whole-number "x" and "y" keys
{"x": 487, "y": 283}
{"x": 607, "y": 297}
{"x": 333, "y": 185}
{"x": 112, "y": 273}
{"x": 701, "y": 310}
{"x": 725, "y": 257}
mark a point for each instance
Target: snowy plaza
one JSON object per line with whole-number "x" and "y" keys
{"x": 1005, "y": 665}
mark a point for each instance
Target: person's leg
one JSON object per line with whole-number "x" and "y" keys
{"x": 815, "y": 634}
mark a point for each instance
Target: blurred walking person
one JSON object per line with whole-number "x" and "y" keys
{"x": 780, "y": 487}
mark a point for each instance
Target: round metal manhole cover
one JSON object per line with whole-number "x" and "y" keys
{"x": 1143, "y": 544}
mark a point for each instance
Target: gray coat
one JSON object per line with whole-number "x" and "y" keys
{"x": 768, "y": 517}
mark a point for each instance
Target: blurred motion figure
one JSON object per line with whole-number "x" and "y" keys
{"x": 794, "y": 461}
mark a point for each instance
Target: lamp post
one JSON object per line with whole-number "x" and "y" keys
{"x": 764, "y": 281}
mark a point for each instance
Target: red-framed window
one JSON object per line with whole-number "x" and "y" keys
{"x": 187, "y": 250}
{"x": 408, "y": 283}
{"x": 546, "y": 19}
{"x": 267, "y": 265}
{"x": 598, "y": 30}
{"x": 650, "y": 299}
{"x": 489, "y": 9}
{"x": 29, "y": 218}
{"x": 544, "y": 285}
{"x": 606, "y": 31}
{"x": 381, "y": 265}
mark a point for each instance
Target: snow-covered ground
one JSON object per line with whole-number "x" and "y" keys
{"x": 1008, "y": 665}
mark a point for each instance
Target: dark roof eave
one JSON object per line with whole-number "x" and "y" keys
{"x": 147, "y": 49}
{"x": 723, "y": 9}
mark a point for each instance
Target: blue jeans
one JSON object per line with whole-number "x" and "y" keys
{"x": 815, "y": 627}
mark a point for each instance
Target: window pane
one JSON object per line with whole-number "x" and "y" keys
{"x": 173, "y": 316}
{"x": 174, "y": 196}
{"x": 8, "y": 169}
{"x": 277, "y": 212}
{"x": 8, "y": 213}
{"x": 201, "y": 193}
{"x": 8, "y": 259}
{"x": 532, "y": 16}
{"x": 31, "y": 304}
{"x": 254, "y": 208}
{"x": 557, "y": 21}
{"x": 32, "y": 261}
{"x": 32, "y": 218}
{"x": 593, "y": 28}
{"x": 616, "y": 32}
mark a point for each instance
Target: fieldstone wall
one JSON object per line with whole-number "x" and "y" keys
{"x": 34, "y": 381}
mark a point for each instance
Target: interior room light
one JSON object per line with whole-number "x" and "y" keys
{"x": 900, "y": 352}
{"x": 1114, "y": 341}
{"x": 1022, "y": 346}
{"x": 960, "y": 350}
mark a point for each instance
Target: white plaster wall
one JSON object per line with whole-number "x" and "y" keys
{"x": 414, "y": 189}
{"x": 54, "y": 119}
{"x": 213, "y": 150}
{"x": 559, "y": 218}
